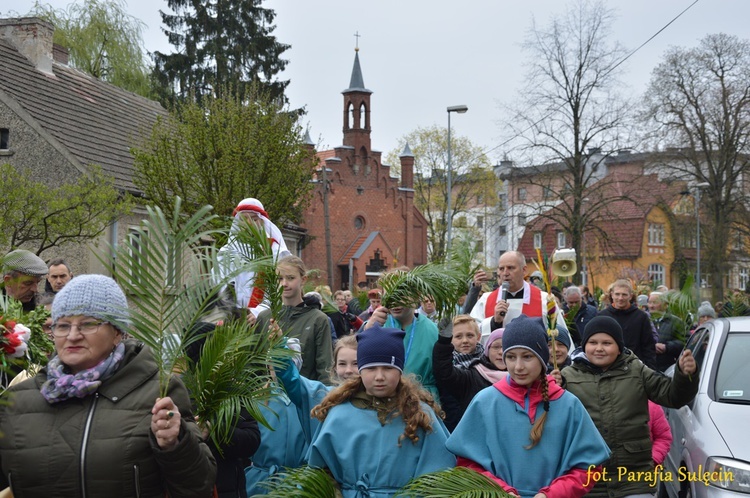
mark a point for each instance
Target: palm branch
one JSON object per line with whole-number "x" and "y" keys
{"x": 256, "y": 254}
{"x": 463, "y": 258}
{"x": 407, "y": 288}
{"x": 302, "y": 482}
{"x": 232, "y": 374}
{"x": 681, "y": 304}
{"x": 458, "y": 482}
{"x": 165, "y": 269}
{"x": 550, "y": 316}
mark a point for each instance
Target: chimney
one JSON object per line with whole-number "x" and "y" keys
{"x": 32, "y": 37}
{"x": 60, "y": 54}
{"x": 407, "y": 167}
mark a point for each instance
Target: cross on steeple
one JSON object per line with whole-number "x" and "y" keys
{"x": 356, "y": 45}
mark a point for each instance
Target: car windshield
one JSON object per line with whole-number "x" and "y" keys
{"x": 733, "y": 371}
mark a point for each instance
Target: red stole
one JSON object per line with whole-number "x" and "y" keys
{"x": 532, "y": 308}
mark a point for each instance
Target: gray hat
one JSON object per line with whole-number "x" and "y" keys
{"x": 536, "y": 274}
{"x": 642, "y": 299}
{"x": 25, "y": 262}
{"x": 705, "y": 309}
{"x": 92, "y": 295}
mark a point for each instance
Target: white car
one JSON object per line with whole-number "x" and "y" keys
{"x": 710, "y": 452}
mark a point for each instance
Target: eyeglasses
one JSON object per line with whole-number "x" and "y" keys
{"x": 85, "y": 328}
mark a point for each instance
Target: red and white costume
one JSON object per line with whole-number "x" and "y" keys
{"x": 248, "y": 296}
{"x": 534, "y": 303}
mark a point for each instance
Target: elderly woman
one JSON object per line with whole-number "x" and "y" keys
{"x": 92, "y": 423}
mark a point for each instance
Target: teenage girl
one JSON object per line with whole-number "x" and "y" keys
{"x": 306, "y": 323}
{"x": 526, "y": 433}
{"x": 378, "y": 430}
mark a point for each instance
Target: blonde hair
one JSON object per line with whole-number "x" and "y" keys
{"x": 293, "y": 262}
{"x": 348, "y": 342}
{"x": 466, "y": 319}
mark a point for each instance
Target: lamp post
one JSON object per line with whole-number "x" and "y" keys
{"x": 698, "y": 188}
{"x": 460, "y": 109}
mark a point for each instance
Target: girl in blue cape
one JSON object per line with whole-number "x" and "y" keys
{"x": 379, "y": 430}
{"x": 525, "y": 432}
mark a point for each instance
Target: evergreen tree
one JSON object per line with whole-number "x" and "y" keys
{"x": 219, "y": 44}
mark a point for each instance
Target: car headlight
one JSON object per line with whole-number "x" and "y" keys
{"x": 726, "y": 473}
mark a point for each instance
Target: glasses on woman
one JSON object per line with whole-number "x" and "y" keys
{"x": 85, "y": 328}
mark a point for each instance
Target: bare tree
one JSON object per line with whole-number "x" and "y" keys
{"x": 570, "y": 113}
{"x": 471, "y": 177}
{"x": 699, "y": 101}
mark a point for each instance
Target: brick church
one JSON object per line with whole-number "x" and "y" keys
{"x": 372, "y": 222}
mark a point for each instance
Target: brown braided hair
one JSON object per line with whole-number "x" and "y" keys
{"x": 409, "y": 393}
{"x": 538, "y": 427}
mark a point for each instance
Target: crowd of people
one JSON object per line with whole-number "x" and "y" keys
{"x": 376, "y": 396}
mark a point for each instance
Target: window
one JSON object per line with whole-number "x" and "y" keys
{"x": 501, "y": 200}
{"x": 480, "y": 198}
{"x": 522, "y": 219}
{"x": 521, "y": 194}
{"x": 548, "y": 193}
{"x": 655, "y": 234}
{"x": 561, "y": 240}
{"x": 502, "y": 230}
{"x": 136, "y": 262}
{"x": 537, "y": 240}
{"x": 738, "y": 242}
{"x": 359, "y": 222}
{"x": 743, "y": 279}
{"x": 480, "y": 221}
{"x": 479, "y": 246}
{"x": 4, "y": 139}
{"x": 656, "y": 273}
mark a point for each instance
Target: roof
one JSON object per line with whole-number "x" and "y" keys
{"x": 624, "y": 218}
{"x": 357, "y": 83}
{"x": 360, "y": 246}
{"x": 95, "y": 121}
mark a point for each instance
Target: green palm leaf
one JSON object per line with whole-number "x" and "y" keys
{"x": 165, "y": 267}
{"x": 462, "y": 257}
{"x": 232, "y": 374}
{"x": 459, "y": 482}
{"x": 303, "y": 482}
{"x": 255, "y": 254}
{"x": 442, "y": 282}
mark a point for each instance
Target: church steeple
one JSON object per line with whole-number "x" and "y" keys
{"x": 357, "y": 114}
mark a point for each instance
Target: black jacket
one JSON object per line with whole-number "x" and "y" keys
{"x": 636, "y": 332}
{"x": 672, "y": 334}
{"x": 231, "y": 463}
{"x": 461, "y": 383}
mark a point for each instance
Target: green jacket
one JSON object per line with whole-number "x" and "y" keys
{"x": 617, "y": 400}
{"x": 102, "y": 445}
{"x": 311, "y": 327}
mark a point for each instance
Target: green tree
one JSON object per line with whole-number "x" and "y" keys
{"x": 35, "y": 215}
{"x": 698, "y": 103}
{"x": 103, "y": 40}
{"x": 224, "y": 150}
{"x": 569, "y": 112}
{"x": 219, "y": 45}
{"x": 471, "y": 177}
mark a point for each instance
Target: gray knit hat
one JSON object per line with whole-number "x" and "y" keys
{"x": 25, "y": 262}
{"x": 705, "y": 309}
{"x": 93, "y": 295}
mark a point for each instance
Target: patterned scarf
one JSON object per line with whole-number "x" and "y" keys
{"x": 60, "y": 385}
{"x": 465, "y": 359}
{"x": 386, "y": 408}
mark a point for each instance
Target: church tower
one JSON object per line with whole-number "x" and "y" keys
{"x": 357, "y": 118}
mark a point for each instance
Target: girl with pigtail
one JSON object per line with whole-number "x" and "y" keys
{"x": 379, "y": 429}
{"x": 537, "y": 441}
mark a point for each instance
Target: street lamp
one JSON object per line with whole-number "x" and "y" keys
{"x": 698, "y": 188}
{"x": 460, "y": 109}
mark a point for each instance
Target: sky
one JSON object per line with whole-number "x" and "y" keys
{"x": 421, "y": 56}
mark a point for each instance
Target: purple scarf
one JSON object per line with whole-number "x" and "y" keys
{"x": 60, "y": 385}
